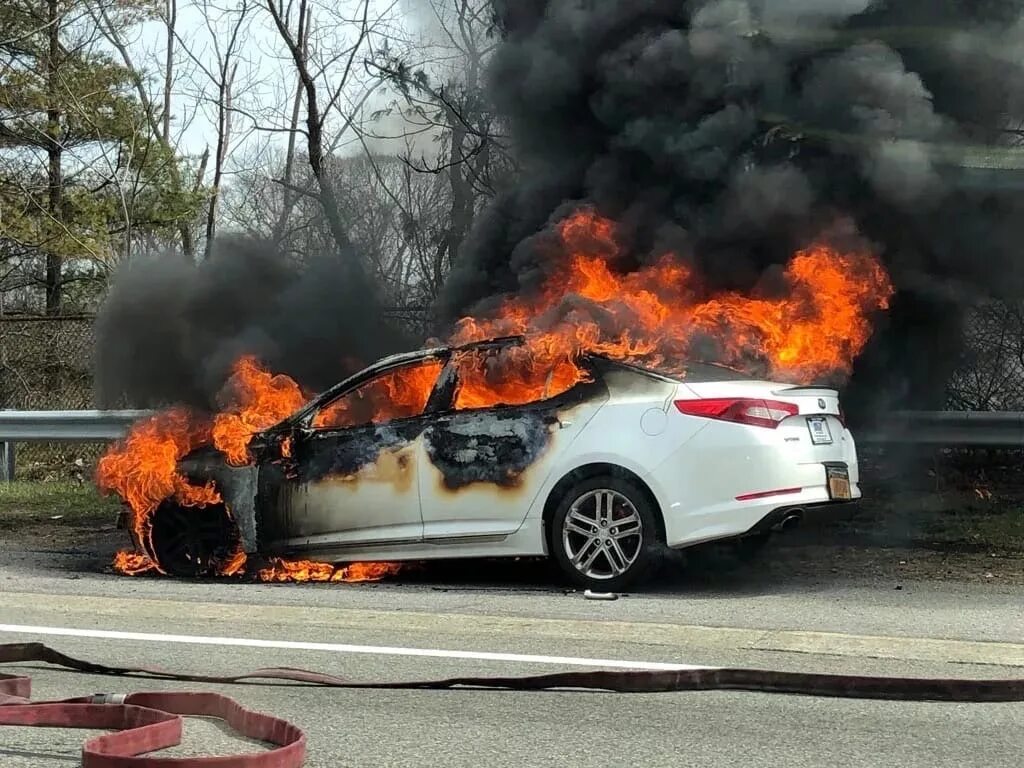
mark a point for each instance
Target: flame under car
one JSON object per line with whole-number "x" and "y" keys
{"x": 427, "y": 455}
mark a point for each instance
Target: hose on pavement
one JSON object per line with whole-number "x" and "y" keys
{"x": 150, "y": 721}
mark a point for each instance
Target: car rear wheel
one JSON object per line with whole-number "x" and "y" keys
{"x": 604, "y": 533}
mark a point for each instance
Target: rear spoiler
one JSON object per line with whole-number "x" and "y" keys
{"x": 809, "y": 391}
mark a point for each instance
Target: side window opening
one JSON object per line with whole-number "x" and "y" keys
{"x": 400, "y": 393}
{"x": 510, "y": 376}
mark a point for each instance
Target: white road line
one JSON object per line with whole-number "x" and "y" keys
{"x": 380, "y": 650}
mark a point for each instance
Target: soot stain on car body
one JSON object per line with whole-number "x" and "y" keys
{"x": 330, "y": 456}
{"x": 491, "y": 447}
{"x": 392, "y": 466}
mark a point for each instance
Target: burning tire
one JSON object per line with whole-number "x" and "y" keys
{"x": 604, "y": 533}
{"x": 192, "y": 541}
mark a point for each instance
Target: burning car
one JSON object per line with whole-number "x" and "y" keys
{"x": 572, "y": 421}
{"x": 418, "y": 458}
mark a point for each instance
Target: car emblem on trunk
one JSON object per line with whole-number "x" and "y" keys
{"x": 821, "y": 402}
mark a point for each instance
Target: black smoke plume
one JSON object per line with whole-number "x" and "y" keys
{"x": 170, "y": 330}
{"x": 733, "y": 131}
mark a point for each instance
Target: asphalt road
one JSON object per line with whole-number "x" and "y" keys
{"x": 481, "y": 626}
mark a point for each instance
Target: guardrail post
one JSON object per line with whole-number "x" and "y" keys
{"x": 6, "y": 462}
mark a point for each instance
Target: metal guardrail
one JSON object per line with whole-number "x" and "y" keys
{"x": 59, "y": 427}
{"x": 952, "y": 429}
{"x": 66, "y": 426}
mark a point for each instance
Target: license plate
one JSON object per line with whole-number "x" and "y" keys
{"x": 820, "y": 433}
{"x": 838, "y": 483}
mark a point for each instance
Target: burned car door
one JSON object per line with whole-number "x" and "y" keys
{"x": 351, "y": 479}
{"x": 487, "y": 455}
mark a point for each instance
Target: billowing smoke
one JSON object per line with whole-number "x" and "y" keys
{"x": 730, "y": 132}
{"x": 170, "y": 330}
{"x": 733, "y": 131}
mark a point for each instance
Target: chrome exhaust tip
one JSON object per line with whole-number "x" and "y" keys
{"x": 792, "y": 519}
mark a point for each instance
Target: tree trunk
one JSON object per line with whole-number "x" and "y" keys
{"x": 327, "y": 197}
{"x": 54, "y": 151}
{"x": 185, "y": 230}
{"x": 289, "y": 196}
{"x": 462, "y": 195}
{"x": 172, "y": 20}
{"x": 227, "y": 79}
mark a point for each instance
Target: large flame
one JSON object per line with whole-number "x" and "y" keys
{"x": 254, "y": 400}
{"x": 812, "y": 324}
{"x": 143, "y": 469}
{"x": 655, "y": 316}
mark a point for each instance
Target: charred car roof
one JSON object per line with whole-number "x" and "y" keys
{"x": 395, "y": 361}
{"x": 717, "y": 371}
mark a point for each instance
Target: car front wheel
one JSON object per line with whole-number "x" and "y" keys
{"x": 191, "y": 541}
{"x": 604, "y": 534}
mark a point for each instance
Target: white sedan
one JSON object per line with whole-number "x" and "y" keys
{"x": 597, "y": 476}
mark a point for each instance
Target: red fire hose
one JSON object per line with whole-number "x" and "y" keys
{"x": 144, "y": 722}
{"x": 147, "y": 722}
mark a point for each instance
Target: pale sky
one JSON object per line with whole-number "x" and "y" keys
{"x": 265, "y": 80}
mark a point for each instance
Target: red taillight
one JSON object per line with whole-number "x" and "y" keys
{"x": 754, "y": 412}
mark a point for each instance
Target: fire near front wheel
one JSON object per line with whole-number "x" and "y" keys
{"x": 192, "y": 541}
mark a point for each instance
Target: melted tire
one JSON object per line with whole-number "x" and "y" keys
{"x": 192, "y": 541}
{"x": 642, "y": 567}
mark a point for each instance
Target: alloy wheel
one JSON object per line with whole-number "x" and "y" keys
{"x": 602, "y": 534}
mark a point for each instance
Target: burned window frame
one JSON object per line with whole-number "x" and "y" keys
{"x": 306, "y": 420}
{"x": 446, "y": 389}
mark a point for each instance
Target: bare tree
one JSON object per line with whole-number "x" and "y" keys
{"x": 288, "y": 177}
{"x": 445, "y": 95}
{"x": 227, "y": 33}
{"x": 990, "y": 375}
{"x": 317, "y": 114}
{"x": 159, "y": 114}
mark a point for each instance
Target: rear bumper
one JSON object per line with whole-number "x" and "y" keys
{"x": 707, "y": 500}
{"x": 731, "y": 477}
{"x": 774, "y": 519}
{"x": 736, "y": 518}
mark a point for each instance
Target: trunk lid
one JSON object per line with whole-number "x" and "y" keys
{"x": 811, "y": 400}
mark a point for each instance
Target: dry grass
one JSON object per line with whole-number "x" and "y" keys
{"x": 79, "y": 504}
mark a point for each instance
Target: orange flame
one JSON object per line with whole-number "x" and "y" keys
{"x": 395, "y": 395}
{"x": 654, "y": 317}
{"x": 255, "y": 400}
{"x": 143, "y": 469}
{"x": 133, "y": 563}
{"x": 307, "y": 570}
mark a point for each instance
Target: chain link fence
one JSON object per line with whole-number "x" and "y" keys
{"x": 46, "y": 364}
